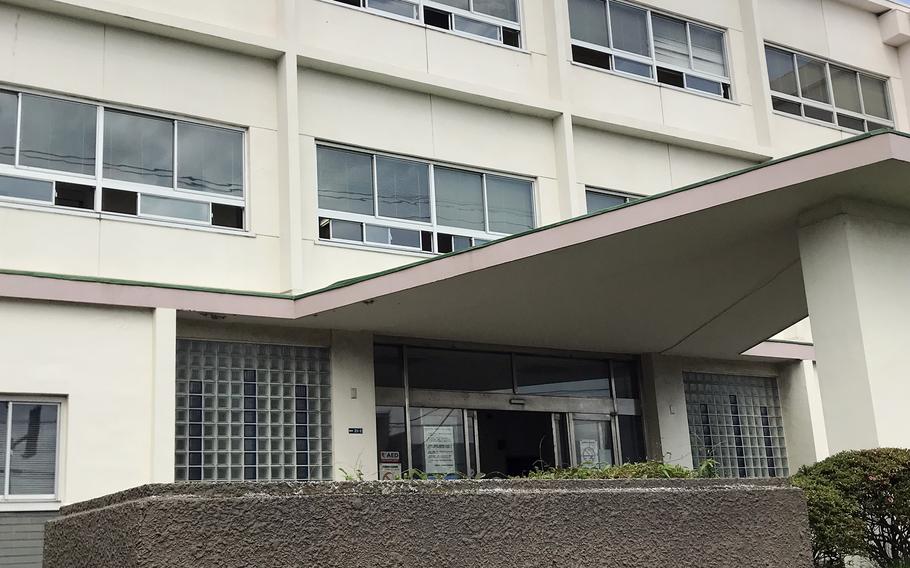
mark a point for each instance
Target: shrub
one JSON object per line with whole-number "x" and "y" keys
{"x": 644, "y": 470}
{"x": 859, "y": 505}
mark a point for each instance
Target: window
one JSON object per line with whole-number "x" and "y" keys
{"x": 598, "y": 199}
{"x": 407, "y": 204}
{"x": 252, "y": 412}
{"x": 28, "y": 460}
{"x": 737, "y": 422}
{"x": 811, "y": 88}
{"x": 491, "y": 20}
{"x": 143, "y": 165}
{"x": 631, "y": 40}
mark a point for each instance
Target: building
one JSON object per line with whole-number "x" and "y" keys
{"x": 205, "y": 209}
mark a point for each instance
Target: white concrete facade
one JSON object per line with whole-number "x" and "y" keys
{"x": 294, "y": 73}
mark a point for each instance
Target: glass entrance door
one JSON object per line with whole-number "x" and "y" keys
{"x": 592, "y": 440}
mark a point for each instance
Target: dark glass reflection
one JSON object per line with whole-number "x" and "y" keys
{"x": 138, "y": 148}
{"x": 209, "y": 159}
{"x": 558, "y": 376}
{"x": 57, "y": 135}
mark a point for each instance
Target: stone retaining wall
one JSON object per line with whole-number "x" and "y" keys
{"x": 489, "y": 524}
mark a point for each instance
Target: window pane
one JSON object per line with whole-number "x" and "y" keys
{"x": 598, "y": 201}
{"x": 176, "y": 208}
{"x": 404, "y": 189}
{"x": 209, "y": 159}
{"x": 853, "y": 123}
{"x": 138, "y": 148}
{"x": 345, "y": 180}
{"x": 708, "y": 50}
{"x": 556, "y": 376}
{"x": 510, "y": 205}
{"x": 812, "y": 79}
{"x": 463, "y": 4}
{"x": 446, "y": 369}
{"x": 58, "y": 135}
{"x": 392, "y": 441}
{"x": 630, "y": 28}
{"x": 818, "y": 113}
{"x": 476, "y": 27}
{"x": 704, "y": 85}
{"x": 874, "y": 97}
{"x": 9, "y": 105}
{"x": 632, "y": 439}
{"x": 789, "y": 107}
{"x": 846, "y": 89}
{"x": 347, "y": 230}
{"x": 634, "y": 67}
{"x": 33, "y": 455}
{"x": 780, "y": 71}
{"x": 4, "y": 419}
{"x": 670, "y": 42}
{"x": 437, "y": 441}
{"x": 459, "y": 199}
{"x": 26, "y": 188}
{"x": 376, "y": 234}
{"x": 398, "y": 7}
{"x": 404, "y": 237}
{"x": 505, "y": 9}
{"x": 588, "y": 21}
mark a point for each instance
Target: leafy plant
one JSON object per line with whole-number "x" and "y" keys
{"x": 859, "y": 505}
{"x": 356, "y": 475}
{"x": 643, "y": 470}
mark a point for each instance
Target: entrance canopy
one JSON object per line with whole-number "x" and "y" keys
{"x": 707, "y": 270}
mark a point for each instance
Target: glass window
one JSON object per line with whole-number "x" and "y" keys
{"x": 404, "y": 189}
{"x": 812, "y": 80}
{"x": 57, "y": 135}
{"x": 598, "y": 200}
{"x": 874, "y": 97}
{"x": 846, "y": 89}
{"x": 460, "y": 4}
{"x": 625, "y": 379}
{"x": 345, "y": 180}
{"x": 392, "y": 442}
{"x": 505, "y": 9}
{"x": 559, "y": 376}
{"x": 9, "y": 110}
{"x": 138, "y": 148}
{"x": 588, "y": 21}
{"x": 209, "y": 159}
{"x": 593, "y": 442}
{"x": 708, "y": 50}
{"x": 630, "y": 28}
{"x": 38, "y": 190}
{"x": 347, "y": 230}
{"x": 510, "y": 205}
{"x": 781, "y": 72}
{"x": 437, "y": 440}
{"x": 175, "y": 208}
{"x": 398, "y": 7}
{"x": 632, "y": 439}
{"x": 388, "y": 366}
{"x": 443, "y": 369}
{"x": 704, "y": 85}
{"x": 671, "y": 43}
{"x": 476, "y": 27}
{"x": 634, "y": 67}
{"x": 4, "y": 421}
{"x": 459, "y": 199}
{"x": 32, "y": 458}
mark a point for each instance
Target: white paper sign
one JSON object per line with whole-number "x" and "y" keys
{"x": 588, "y": 453}
{"x": 439, "y": 449}
{"x": 389, "y": 471}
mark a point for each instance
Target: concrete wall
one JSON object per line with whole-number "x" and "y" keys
{"x": 407, "y": 524}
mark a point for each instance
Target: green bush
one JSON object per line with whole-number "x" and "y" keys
{"x": 859, "y": 505}
{"x": 644, "y": 470}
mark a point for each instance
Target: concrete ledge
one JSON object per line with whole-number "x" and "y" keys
{"x": 491, "y": 524}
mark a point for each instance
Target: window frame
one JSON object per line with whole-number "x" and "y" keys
{"x": 832, "y": 105}
{"x": 18, "y": 502}
{"x": 629, "y": 197}
{"x": 651, "y": 59}
{"x": 98, "y": 182}
{"x": 421, "y": 226}
{"x": 478, "y": 16}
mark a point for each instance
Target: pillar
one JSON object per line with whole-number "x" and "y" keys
{"x": 353, "y": 405}
{"x": 856, "y": 268}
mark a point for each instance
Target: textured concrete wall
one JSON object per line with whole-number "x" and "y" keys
{"x": 492, "y": 524}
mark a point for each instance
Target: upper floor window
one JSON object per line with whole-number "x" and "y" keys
{"x": 28, "y": 450}
{"x": 78, "y": 155}
{"x": 815, "y": 89}
{"x": 490, "y": 20}
{"x": 635, "y": 41}
{"x": 600, "y": 199}
{"x": 397, "y": 202}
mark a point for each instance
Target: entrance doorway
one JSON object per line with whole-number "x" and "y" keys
{"x": 514, "y": 442}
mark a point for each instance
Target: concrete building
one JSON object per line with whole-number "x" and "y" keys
{"x": 206, "y": 209}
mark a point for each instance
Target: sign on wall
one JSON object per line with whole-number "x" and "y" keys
{"x": 439, "y": 449}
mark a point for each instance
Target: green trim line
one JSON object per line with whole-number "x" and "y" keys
{"x": 374, "y": 275}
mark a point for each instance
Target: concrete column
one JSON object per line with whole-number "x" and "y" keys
{"x": 164, "y": 392}
{"x": 804, "y": 420}
{"x": 856, "y": 267}
{"x": 353, "y": 405}
{"x": 664, "y": 410}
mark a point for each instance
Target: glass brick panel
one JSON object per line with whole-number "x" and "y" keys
{"x": 737, "y": 422}
{"x": 244, "y": 412}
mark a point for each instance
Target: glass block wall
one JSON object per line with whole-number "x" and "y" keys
{"x": 736, "y": 421}
{"x": 247, "y": 411}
